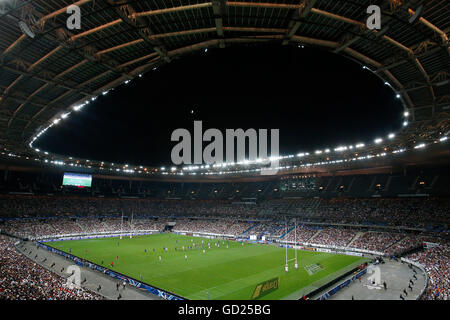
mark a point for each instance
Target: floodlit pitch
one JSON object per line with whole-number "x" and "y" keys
{"x": 189, "y": 267}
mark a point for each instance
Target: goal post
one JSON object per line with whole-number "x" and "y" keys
{"x": 295, "y": 259}
{"x": 295, "y": 243}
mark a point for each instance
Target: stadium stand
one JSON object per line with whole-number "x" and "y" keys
{"x": 33, "y": 206}
{"x": 22, "y": 279}
{"x": 393, "y": 211}
{"x": 437, "y": 263}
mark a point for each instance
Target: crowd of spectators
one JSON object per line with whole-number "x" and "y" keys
{"x": 336, "y": 237}
{"x": 412, "y": 212}
{"x": 28, "y": 228}
{"x": 376, "y": 241}
{"x": 64, "y": 226}
{"x": 391, "y": 212}
{"x": 270, "y": 228}
{"x": 392, "y": 243}
{"x": 409, "y": 242}
{"x": 64, "y": 214}
{"x": 223, "y": 226}
{"x": 23, "y": 279}
{"x": 301, "y": 234}
{"x": 436, "y": 261}
{"x": 49, "y": 206}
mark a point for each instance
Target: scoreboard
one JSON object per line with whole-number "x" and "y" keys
{"x": 77, "y": 180}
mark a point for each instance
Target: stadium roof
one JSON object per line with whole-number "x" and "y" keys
{"x": 45, "y": 74}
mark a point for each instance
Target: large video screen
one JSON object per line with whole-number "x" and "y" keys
{"x": 77, "y": 180}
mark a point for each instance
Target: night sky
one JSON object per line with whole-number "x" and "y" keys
{"x": 316, "y": 99}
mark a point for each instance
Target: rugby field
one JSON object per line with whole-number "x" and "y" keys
{"x": 228, "y": 270}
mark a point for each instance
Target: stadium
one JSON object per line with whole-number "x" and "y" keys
{"x": 363, "y": 219}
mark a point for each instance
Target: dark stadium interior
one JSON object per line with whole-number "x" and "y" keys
{"x": 363, "y": 172}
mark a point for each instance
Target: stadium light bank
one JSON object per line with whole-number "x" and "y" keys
{"x": 216, "y": 163}
{"x": 213, "y": 153}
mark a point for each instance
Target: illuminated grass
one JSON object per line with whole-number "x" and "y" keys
{"x": 224, "y": 273}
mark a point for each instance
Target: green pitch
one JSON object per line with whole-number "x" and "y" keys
{"x": 223, "y": 273}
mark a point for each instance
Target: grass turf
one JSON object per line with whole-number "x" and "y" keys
{"x": 225, "y": 273}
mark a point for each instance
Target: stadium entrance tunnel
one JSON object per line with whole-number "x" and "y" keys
{"x": 169, "y": 226}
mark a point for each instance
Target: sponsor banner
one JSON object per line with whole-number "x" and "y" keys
{"x": 331, "y": 292}
{"x": 430, "y": 245}
{"x": 324, "y": 250}
{"x": 352, "y": 253}
{"x": 346, "y": 249}
{"x": 265, "y": 288}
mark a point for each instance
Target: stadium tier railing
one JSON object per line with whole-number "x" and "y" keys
{"x": 422, "y": 268}
{"x": 341, "y": 285}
